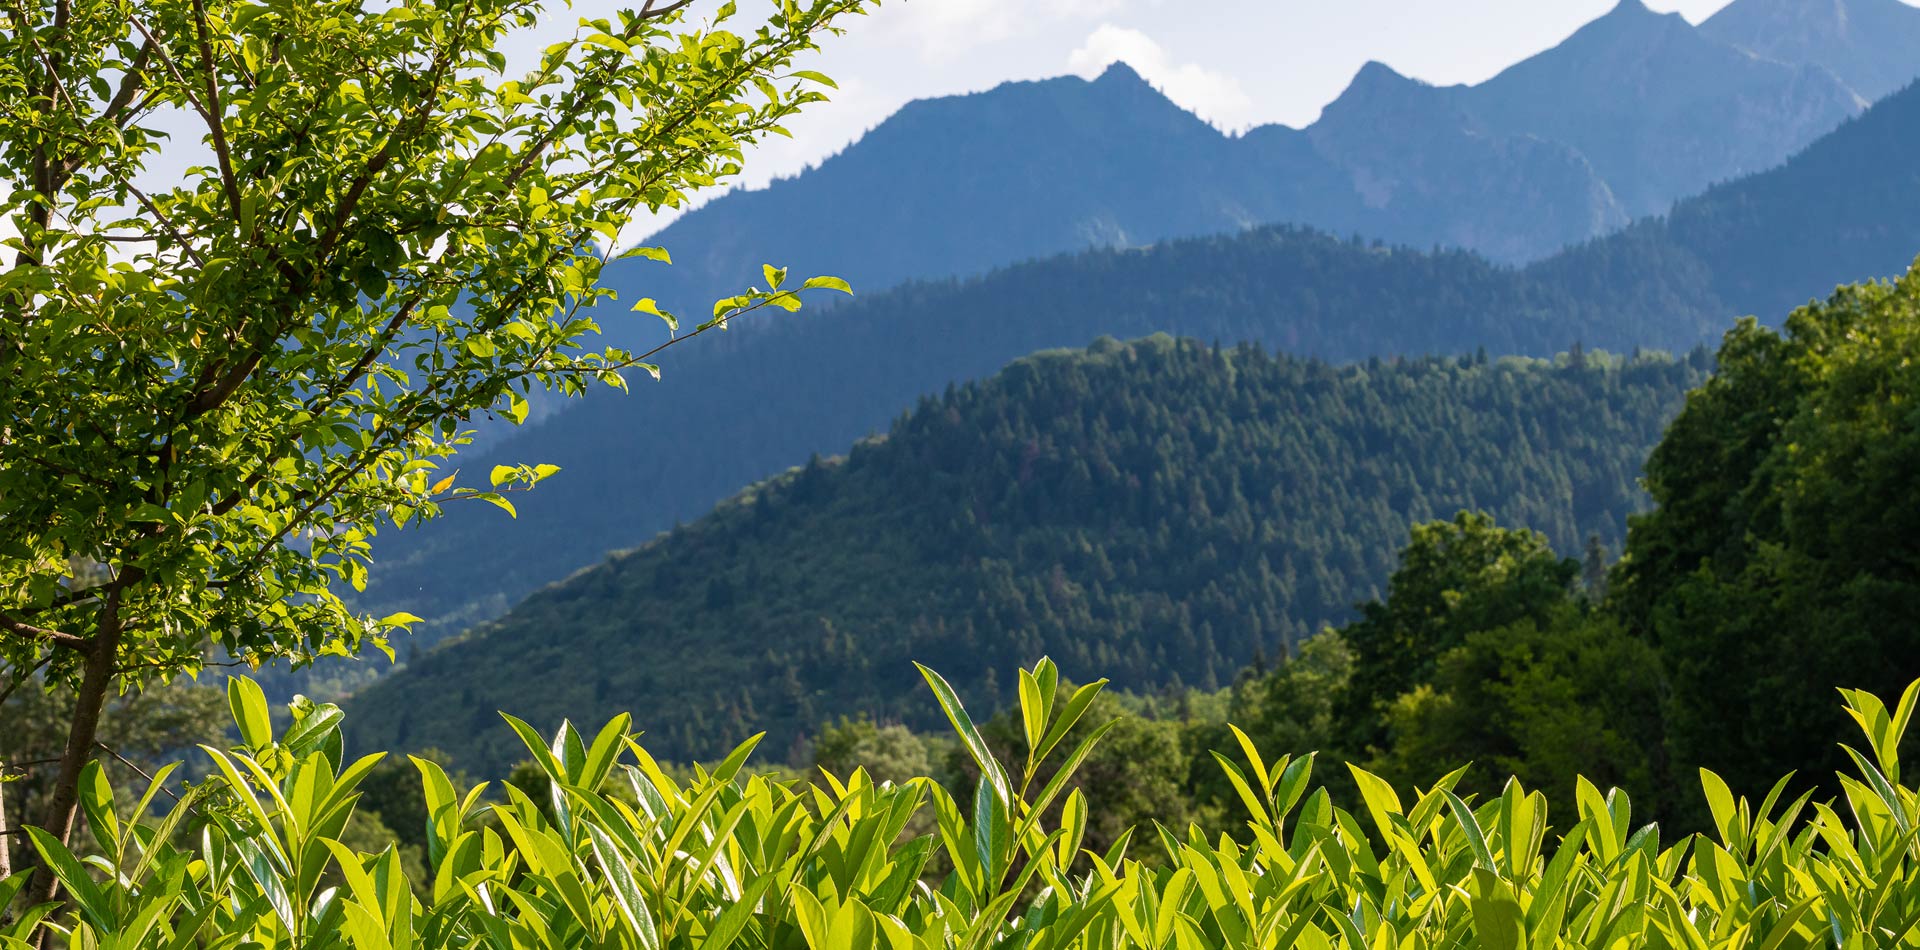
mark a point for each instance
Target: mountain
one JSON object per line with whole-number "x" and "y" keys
{"x": 815, "y": 382}
{"x": 1846, "y": 209}
{"x": 1661, "y": 109}
{"x": 1159, "y": 512}
{"x": 1630, "y": 113}
{"x": 1429, "y": 173}
{"x": 1869, "y": 44}
{"x": 962, "y": 184}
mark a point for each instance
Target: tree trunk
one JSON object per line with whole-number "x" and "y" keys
{"x": 96, "y": 680}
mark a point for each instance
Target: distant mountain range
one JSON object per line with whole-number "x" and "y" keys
{"x": 1627, "y": 115}
{"x": 1846, "y": 209}
{"x": 1870, "y": 44}
{"x": 1159, "y": 512}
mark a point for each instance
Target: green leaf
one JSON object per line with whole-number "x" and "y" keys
{"x": 627, "y": 898}
{"x": 96, "y": 801}
{"x": 969, "y": 736}
{"x": 828, "y": 283}
{"x": 1470, "y": 828}
{"x": 1498, "y": 924}
{"x": 1033, "y": 713}
{"x": 249, "y": 707}
{"x": 610, "y": 42}
{"x": 992, "y": 831}
{"x": 310, "y": 730}
{"x": 1719, "y": 802}
{"x": 650, "y": 253}
{"x": 1382, "y": 803}
{"x": 73, "y": 876}
{"x": 813, "y": 76}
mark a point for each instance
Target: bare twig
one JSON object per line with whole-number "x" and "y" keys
{"x": 142, "y": 772}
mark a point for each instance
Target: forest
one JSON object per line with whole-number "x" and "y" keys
{"x": 1157, "y": 512}
{"x": 721, "y": 417}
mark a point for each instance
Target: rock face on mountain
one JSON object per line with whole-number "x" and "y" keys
{"x": 1427, "y": 171}
{"x": 1661, "y": 109}
{"x": 1872, "y": 45}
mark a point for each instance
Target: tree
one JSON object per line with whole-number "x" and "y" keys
{"x": 1782, "y": 560}
{"x": 219, "y": 388}
{"x": 1455, "y": 578}
{"x": 889, "y": 753}
{"x": 1577, "y": 696}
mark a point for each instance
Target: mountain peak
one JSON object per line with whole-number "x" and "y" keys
{"x": 1374, "y": 73}
{"x": 1630, "y": 20}
{"x": 1867, "y": 43}
{"x": 1631, "y": 8}
{"x": 1118, "y": 73}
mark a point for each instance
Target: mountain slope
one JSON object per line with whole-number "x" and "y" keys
{"x": 1869, "y": 44}
{"x": 1428, "y": 172}
{"x": 1660, "y": 108}
{"x": 1844, "y": 210}
{"x": 1627, "y": 115}
{"x": 962, "y": 184}
{"x": 1158, "y": 512}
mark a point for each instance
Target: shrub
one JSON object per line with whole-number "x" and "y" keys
{"x": 729, "y": 858}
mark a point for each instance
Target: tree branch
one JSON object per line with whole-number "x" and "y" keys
{"x": 647, "y": 12}
{"x": 25, "y": 674}
{"x": 55, "y": 637}
{"x": 215, "y": 117}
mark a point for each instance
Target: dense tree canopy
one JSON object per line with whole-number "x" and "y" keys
{"x": 1783, "y": 559}
{"x": 1454, "y": 578}
{"x": 1159, "y": 512}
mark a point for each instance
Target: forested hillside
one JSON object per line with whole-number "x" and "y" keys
{"x": 1159, "y": 512}
{"x": 729, "y": 411}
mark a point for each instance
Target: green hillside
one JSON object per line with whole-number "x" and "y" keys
{"x": 732, "y": 411}
{"x": 1159, "y": 512}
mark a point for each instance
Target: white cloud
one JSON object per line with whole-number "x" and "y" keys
{"x": 945, "y": 29}
{"x": 1214, "y": 96}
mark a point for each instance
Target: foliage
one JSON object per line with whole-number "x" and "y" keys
{"x": 730, "y": 859}
{"x": 889, "y": 753}
{"x": 1542, "y": 702}
{"x": 1454, "y": 578}
{"x": 1136, "y": 775}
{"x": 220, "y": 385}
{"x": 1785, "y": 498}
{"x": 1159, "y": 511}
{"x": 139, "y": 732}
